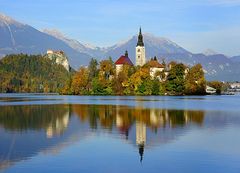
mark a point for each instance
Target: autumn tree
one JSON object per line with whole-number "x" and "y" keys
{"x": 119, "y": 82}
{"x": 217, "y": 85}
{"x": 195, "y": 82}
{"x": 80, "y": 81}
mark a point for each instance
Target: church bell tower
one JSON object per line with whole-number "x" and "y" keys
{"x": 140, "y": 50}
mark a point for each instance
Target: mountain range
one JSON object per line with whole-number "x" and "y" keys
{"x": 16, "y": 37}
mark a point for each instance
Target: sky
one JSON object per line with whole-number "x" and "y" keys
{"x": 196, "y": 25}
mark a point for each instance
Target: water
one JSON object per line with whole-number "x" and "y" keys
{"x": 52, "y": 133}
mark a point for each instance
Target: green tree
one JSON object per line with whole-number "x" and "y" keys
{"x": 93, "y": 68}
{"x": 175, "y": 79}
{"x": 155, "y": 87}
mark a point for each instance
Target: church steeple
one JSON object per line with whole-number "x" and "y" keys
{"x": 140, "y": 38}
{"x": 141, "y": 151}
{"x": 126, "y": 53}
{"x": 140, "y": 50}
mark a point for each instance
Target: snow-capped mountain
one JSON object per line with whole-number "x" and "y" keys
{"x": 210, "y": 52}
{"x": 16, "y": 37}
{"x": 76, "y": 45}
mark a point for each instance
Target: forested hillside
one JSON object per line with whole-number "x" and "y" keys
{"x": 31, "y": 73}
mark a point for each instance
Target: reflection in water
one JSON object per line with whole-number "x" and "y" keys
{"x": 125, "y": 118}
{"x": 28, "y": 130}
{"x": 58, "y": 126}
{"x": 34, "y": 117}
{"x": 140, "y": 137}
{"x": 24, "y": 129}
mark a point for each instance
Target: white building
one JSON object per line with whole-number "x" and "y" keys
{"x": 155, "y": 68}
{"x": 210, "y": 90}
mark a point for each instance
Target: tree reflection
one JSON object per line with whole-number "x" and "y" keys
{"x": 124, "y": 118}
{"x": 136, "y": 124}
{"x": 53, "y": 118}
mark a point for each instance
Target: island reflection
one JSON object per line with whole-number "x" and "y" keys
{"x": 28, "y": 130}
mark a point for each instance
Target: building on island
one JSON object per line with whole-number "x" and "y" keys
{"x": 59, "y": 57}
{"x": 140, "y": 50}
{"x": 123, "y": 60}
{"x": 210, "y": 90}
{"x": 156, "y": 68}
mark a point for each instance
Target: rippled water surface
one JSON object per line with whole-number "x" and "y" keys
{"x": 52, "y": 133}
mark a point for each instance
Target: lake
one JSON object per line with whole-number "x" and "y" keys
{"x": 114, "y": 134}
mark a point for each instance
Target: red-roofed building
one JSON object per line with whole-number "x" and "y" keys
{"x": 123, "y": 60}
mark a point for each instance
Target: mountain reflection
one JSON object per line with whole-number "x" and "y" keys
{"x": 28, "y": 130}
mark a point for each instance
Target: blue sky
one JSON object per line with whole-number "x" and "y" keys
{"x": 193, "y": 24}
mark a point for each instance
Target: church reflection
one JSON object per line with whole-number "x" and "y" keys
{"x": 151, "y": 126}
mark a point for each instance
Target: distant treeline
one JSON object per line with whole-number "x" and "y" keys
{"x": 34, "y": 73}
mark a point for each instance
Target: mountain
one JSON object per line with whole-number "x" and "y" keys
{"x": 235, "y": 58}
{"x": 21, "y": 38}
{"x": 76, "y": 45}
{"x": 210, "y": 52}
{"x": 154, "y": 46}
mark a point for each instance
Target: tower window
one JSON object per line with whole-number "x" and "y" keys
{"x": 138, "y": 50}
{"x": 138, "y": 56}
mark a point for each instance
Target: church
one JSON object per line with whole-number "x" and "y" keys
{"x": 155, "y": 66}
{"x": 140, "y": 55}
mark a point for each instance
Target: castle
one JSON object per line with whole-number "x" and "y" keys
{"x": 59, "y": 57}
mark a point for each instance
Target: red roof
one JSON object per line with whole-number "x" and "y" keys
{"x": 123, "y": 60}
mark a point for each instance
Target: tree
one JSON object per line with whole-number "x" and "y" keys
{"x": 92, "y": 68}
{"x": 155, "y": 87}
{"x": 195, "y": 81}
{"x": 175, "y": 83}
{"x": 217, "y": 85}
{"x": 80, "y": 81}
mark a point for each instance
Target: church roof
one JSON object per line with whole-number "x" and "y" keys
{"x": 155, "y": 64}
{"x": 123, "y": 60}
{"x": 140, "y": 38}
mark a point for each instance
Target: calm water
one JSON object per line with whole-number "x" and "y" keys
{"x": 41, "y": 133}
